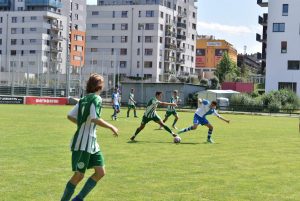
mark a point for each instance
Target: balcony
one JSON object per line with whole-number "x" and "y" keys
{"x": 182, "y": 14}
{"x": 170, "y": 46}
{"x": 170, "y": 59}
{"x": 261, "y": 39}
{"x": 57, "y": 26}
{"x": 261, "y": 56}
{"x": 170, "y": 34}
{"x": 181, "y": 25}
{"x": 263, "y": 3}
{"x": 180, "y": 61}
{"x": 55, "y": 48}
{"x": 57, "y": 38}
{"x": 4, "y": 3}
{"x": 44, "y": 3}
{"x": 181, "y": 37}
{"x": 179, "y": 49}
{"x": 263, "y": 20}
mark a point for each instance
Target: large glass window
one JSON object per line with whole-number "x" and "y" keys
{"x": 285, "y": 9}
{"x": 278, "y": 27}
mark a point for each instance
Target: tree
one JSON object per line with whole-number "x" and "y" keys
{"x": 245, "y": 71}
{"x": 226, "y": 69}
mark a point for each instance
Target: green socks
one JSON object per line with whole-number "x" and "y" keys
{"x": 88, "y": 186}
{"x": 68, "y": 192}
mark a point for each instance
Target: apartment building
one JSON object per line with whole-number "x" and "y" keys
{"x": 142, "y": 38}
{"x": 209, "y": 52}
{"x": 33, "y": 40}
{"x": 283, "y": 39}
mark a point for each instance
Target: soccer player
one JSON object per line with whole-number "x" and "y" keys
{"x": 131, "y": 103}
{"x": 151, "y": 115}
{"x": 115, "y": 103}
{"x": 86, "y": 153}
{"x": 205, "y": 108}
{"x": 171, "y": 109}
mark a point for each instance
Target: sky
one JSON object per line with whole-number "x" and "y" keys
{"x": 236, "y": 21}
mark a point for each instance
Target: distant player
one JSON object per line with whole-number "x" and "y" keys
{"x": 86, "y": 153}
{"x": 151, "y": 115}
{"x": 115, "y": 103}
{"x": 131, "y": 103}
{"x": 171, "y": 109}
{"x": 205, "y": 108}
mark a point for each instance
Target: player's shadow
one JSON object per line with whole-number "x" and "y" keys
{"x": 159, "y": 142}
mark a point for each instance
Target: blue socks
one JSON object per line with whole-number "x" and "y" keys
{"x": 209, "y": 133}
{"x": 185, "y": 129}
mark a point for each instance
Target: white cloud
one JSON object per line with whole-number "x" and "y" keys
{"x": 222, "y": 28}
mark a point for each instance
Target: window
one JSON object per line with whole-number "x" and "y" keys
{"x": 138, "y": 64}
{"x": 194, "y": 15}
{"x": 113, "y": 26}
{"x": 161, "y": 27}
{"x": 162, "y": 15}
{"x": 123, "y": 39}
{"x": 13, "y": 41}
{"x": 95, "y": 13}
{"x": 278, "y": 27}
{"x": 293, "y": 65}
{"x": 124, "y": 26}
{"x": 194, "y": 26}
{"x": 149, "y": 13}
{"x": 149, "y": 26}
{"x": 33, "y": 18}
{"x": 124, "y": 14}
{"x": 148, "y": 39}
{"x": 140, "y": 13}
{"x": 123, "y": 64}
{"x": 285, "y": 9}
{"x": 139, "y": 39}
{"x": 148, "y": 52}
{"x": 13, "y": 52}
{"x": 94, "y": 25}
{"x": 148, "y": 64}
{"x": 14, "y": 19}
{"x": 32, "y": 29}
{"x": 138, "y": 51}
{"x": 94, "y": 37}
{"x": 123, "y": 51}
{"x": 0, "y": 41}
{"x": 13, "y": 30}
{"x": 160, "y": 39}
{"x": 31, "y": 51}
{"x": 283, "y": 46}
{"x": 160, "y": 64}
{"x": 288, "y": 85}
{"x": 32, "y": 40}
{"x": 94, "y": 50}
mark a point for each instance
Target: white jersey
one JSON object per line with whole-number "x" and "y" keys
{"x": 205, "y": 110}
{"x": 115, "y": 97}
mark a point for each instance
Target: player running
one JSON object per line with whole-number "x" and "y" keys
{"x": 151, "y": 115}
{"x": 131, "y": 103}
{"x": 171, "y": 109}
{"x": 86, "y": 153}
{"x": 115, "y": 103}
{"x": 205, "y": 108}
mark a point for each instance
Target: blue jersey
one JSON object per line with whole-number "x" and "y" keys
{"x": 205, "y": 110}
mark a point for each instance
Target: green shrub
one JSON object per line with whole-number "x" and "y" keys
{"x": 274, "y": 106}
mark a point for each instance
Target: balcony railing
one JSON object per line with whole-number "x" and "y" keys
{"x": 263, "y": 20}
{"x": 181, "y": 37}
{"x": 170, "y": 59}
{"x": 57, "y": 38}
{"x": 170, "y": 46}
{"x": 57, "y": 26}
{"x": 261, "y": 39}
{"x": 263, "y": 3}
{"x": 180, "y": 61}
{"x": 181, "y": 25}
{"x": 170, "y": 34}
{"x": 48, "y": 3}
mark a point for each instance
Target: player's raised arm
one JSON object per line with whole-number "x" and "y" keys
{"x": 168, "y": 104}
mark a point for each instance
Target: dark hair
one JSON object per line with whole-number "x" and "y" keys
{"x": 158, "y": 93}
{"x": 95, "y": 83}
{"x": 214, "y": 103}
{"x": 175, "y": 91}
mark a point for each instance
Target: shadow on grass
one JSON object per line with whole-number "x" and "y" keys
{"x": 160, "y": 142}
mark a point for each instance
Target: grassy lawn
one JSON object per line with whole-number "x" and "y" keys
{"x": 255, "y": 158}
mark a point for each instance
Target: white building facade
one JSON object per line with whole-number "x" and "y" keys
{"x": 144, "y": 38}
{"x": 33, "y": 40}
{"x": 283, "y": 45}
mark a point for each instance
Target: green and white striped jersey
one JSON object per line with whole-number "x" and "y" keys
{"x": 151, "y": 108}
{"x": 85, "y": 138}
{"x": 131, "y": 97}
{"x": 173, "y": 100}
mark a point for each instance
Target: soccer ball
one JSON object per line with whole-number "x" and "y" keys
{"x": 177, "y": 139}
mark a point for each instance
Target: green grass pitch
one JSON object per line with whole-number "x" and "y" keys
{"x": 255, "y": 158}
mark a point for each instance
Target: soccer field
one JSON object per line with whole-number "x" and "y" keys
{"x": 254, "y": 158}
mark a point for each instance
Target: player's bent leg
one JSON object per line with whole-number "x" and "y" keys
{"x": 138, "y": 130}
{"x": 71, "y": 185}
{"x": 161, "y": 123}
{"x": 193, "y": 127}
{"x": 209, "y": 133}
{"x": 99, "y": 173}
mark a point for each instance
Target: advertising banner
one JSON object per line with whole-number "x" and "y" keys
{"x": 11, "y": 100}
{"x": 46, "y": 101}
